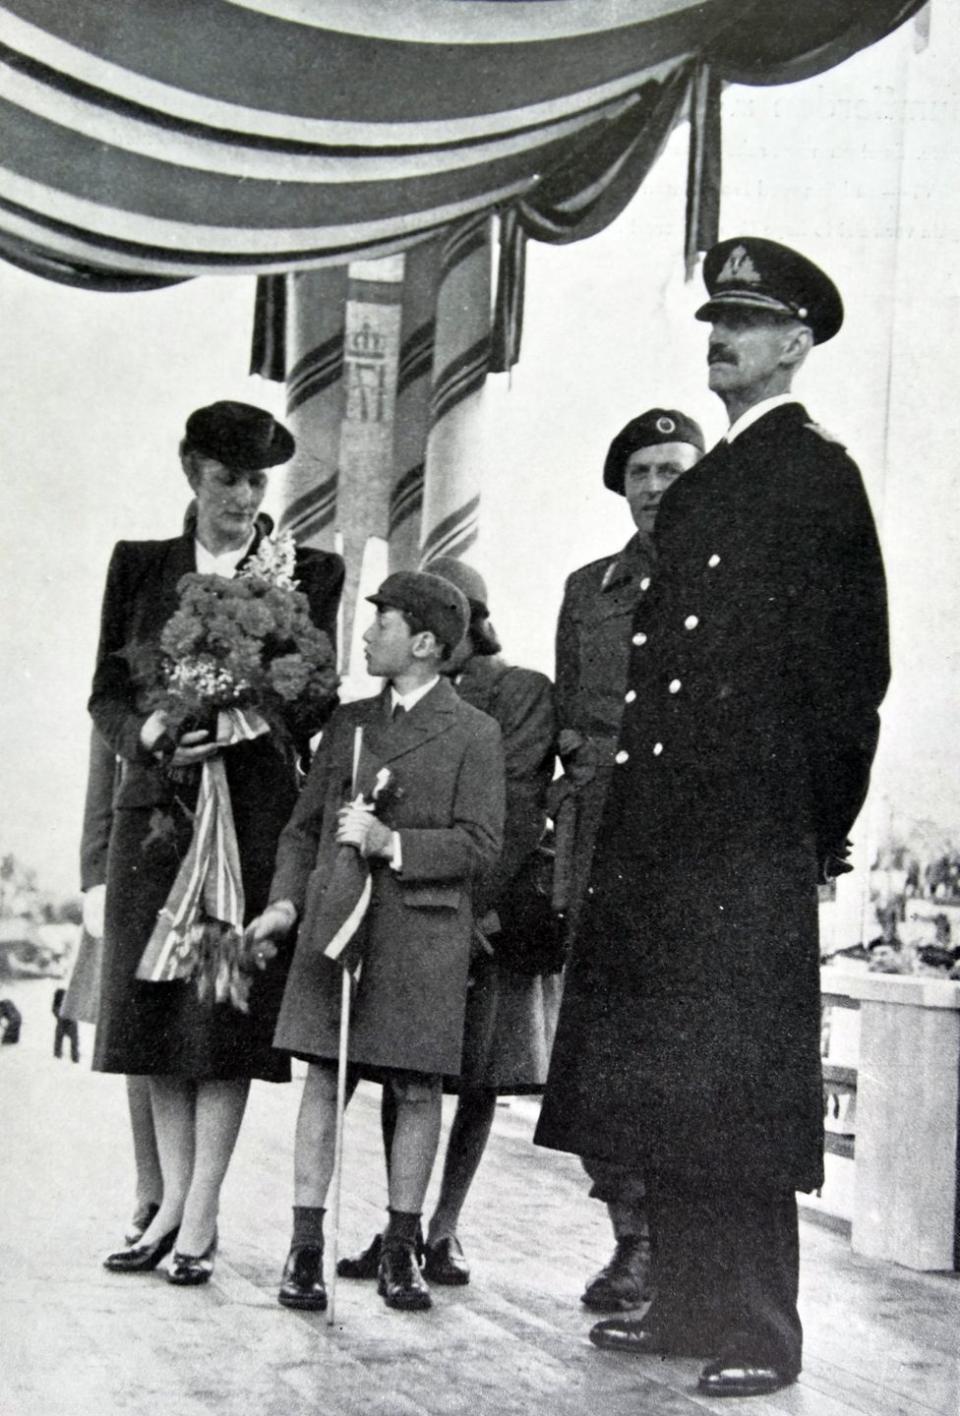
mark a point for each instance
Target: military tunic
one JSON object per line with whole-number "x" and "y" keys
{"x": 592, "y": 659}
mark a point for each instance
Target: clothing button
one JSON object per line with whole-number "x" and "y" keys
{"x": 657, "y": 749}
{"x": 630, "y": 696}
{"x": 691, "y": 622}
{"x": 645, "y": 583}
{"x": 674, "y": 685}
{"x": 640, "y": 638}
{"x": 621, "y": 757}
{"x": 713, "y": 561}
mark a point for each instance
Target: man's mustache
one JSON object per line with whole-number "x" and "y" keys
{"x": 720, "y": 354}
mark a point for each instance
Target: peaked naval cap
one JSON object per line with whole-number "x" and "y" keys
{"x": 750, "y": 271}
{"x": 239, "y": 435}
{"x": 657, "y": 425}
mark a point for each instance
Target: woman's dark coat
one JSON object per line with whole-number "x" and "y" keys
{"x": 164, "y": 1028}
{"x": 689, "y": 1032}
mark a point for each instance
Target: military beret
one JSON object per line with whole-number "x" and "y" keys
{"x": 466, "y": 579}
{"x": 657, "y": 425}
{"x": 434, "y": 602}
{"x": 748, "y": 270}
{"x": 239, "y": 435}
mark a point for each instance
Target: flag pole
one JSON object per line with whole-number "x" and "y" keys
{"x": 342, "y": 1053}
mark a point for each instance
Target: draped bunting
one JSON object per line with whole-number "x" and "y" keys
{"x": 283, "y": 135}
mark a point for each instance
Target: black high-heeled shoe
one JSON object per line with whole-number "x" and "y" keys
{"x": 141, "y": 1258}
{"x": 187, "y": 1270}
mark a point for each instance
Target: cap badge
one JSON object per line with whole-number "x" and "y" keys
{"x": 739, "y": 267}
{"x": 666, "y": 425}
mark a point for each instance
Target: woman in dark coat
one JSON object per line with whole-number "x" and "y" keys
{"x": 199, "y": 1056}
{"x": 511, "y": 1015}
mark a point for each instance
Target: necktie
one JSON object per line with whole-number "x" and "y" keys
{"x": 398, "y": 711}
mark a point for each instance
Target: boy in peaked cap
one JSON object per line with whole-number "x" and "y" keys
{"x": 444, "y": 826}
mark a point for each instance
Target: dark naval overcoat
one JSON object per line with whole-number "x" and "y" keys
{"x": 689, "y": 1033}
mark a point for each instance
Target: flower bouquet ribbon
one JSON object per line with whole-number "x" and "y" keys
{"x": 335, "y": 923}
{"x": 199, "y": 930}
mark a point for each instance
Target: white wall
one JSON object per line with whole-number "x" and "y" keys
{"x": 97, "y": 387}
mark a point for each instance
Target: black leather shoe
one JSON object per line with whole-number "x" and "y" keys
{"x": 141, "y": 1258}
{"x": 444, "y": 1262}
{"x": 188, "y": 1270}
{"x": 140, "y": 1223}
{"x": 302, "y": 1284}
{"x": 399, "y": 1280}
{"x": 627, "y": 1335}
{"x": 624, "y": 1281}
{"x": 733, "y": 1377}
{"x": 365, "y": 1264}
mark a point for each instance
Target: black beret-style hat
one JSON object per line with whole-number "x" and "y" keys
{"x": 657, "y": 425}
{"x": 239, "y": 435}
{"x": 435, "y": 602}
{"x": 748, "y": 270}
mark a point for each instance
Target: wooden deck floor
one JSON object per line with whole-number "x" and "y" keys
{"x": 78, "y": 1341}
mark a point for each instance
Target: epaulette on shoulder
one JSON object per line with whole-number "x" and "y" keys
{"x": 826, "y": 435}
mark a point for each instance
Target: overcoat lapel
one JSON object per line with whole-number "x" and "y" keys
{"x": 385, "y": 740}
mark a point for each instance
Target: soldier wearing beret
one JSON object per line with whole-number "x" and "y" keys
{"x": 691, "y": 1007}
{"x": 592, "y": 656}
{"x": 444, "y": 828}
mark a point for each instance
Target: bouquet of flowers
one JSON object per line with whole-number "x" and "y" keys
{"x": 245, "y": 643}
{"x": 242, "y": 656}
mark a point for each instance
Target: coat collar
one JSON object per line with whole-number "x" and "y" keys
{"x": 385, "y": 739}
{"x": 632, "y": 563}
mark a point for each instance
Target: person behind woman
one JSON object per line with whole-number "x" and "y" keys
{"x": 510, "y": 1016}
{"x": 199, "y": 1056}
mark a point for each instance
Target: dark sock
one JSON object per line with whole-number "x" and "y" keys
{"x": 402, "y": 1227}
{"x": 308, "y": 1225}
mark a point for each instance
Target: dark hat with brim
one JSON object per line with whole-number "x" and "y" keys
{"x": 436, "y": 603}
{"x": 657, "y": 425}
{"x": 469, "y": 581}
{"x": 239, "y": 435}
{"x": 751, "y": 272}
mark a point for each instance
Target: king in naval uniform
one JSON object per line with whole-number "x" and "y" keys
{"x": 688, "y": 1041}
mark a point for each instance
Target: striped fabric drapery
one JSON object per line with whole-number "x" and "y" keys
{"x": 147, "y": 143}
{"x": 315, "y": 314}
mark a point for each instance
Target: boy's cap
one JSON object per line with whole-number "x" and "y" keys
{"x": 435, "y": 602}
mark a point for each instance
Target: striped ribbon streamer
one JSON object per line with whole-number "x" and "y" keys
{"x": 209, "y": 883}
{"x": 454, "y": 459}
{"x": 414, "y": 386}
{"x": 315, "y": 404}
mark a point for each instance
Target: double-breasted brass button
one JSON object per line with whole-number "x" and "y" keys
{"x": 621, "y": 757}
{"x": 714, "y": 561}
{"x": 674, "y": 685}
{"x": 639, "y": 638}
{"x": 630, "y": 696}
{"x": 691, "y": 622}
{"x": 657, "y": 749}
